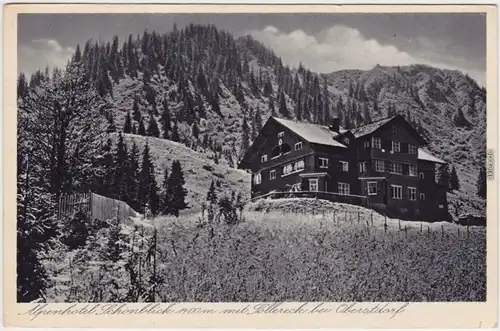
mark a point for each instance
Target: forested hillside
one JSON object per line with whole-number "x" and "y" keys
{"x": 211, "y": 92}
{"x": 188, "y": 104}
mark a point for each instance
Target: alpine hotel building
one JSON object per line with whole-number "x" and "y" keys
{"x": 380, "y": 165}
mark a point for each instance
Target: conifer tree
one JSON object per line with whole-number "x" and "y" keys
{"x": 245, "y": 136}
{"x": 176, "y": 191}
{"x": 165, "y": 120}
{"x": 127, "y": 127}
{"x": 136, "y": 113}
{"x": 211, "y": 195}
{"x": 481, "y": 183}
{"x": 444, "y": 176}
{"x": 120, "y": 170}
{"x": 272, "y": 110}
{"x": 147, "y": 181}
{"x": 283, "y": 108}
{"x": 134, "y": 129}
{"x": 298, "y": 108}
{"x": 195, "y": 131}
{"x": 141, "y": 130}
{"x": 153, "y": 130}
{"x": 111, "y": 125}
{"x": 133, "y": 177}
{"x": 175, "y": 133}
{"x": 366, "y": 114}
{"x": 454, "y": 181}
{"x": 165, "y": 198}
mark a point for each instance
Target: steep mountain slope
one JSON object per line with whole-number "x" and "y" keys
{"x": 219, "y": 90}
{"x": 198, "y": 170}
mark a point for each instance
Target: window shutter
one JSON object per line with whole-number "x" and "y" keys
{"x": 406, "y": 169}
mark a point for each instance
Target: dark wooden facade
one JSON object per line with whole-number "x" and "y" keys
{"x": 380, "y": 162}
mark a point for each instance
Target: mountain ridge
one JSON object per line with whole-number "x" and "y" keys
{"x": 225, "y": 86}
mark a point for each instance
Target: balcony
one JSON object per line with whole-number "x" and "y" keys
{"x": 385, "y": 154}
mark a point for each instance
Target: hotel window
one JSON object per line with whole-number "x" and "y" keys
{"x": 421, "y": 175}
{"x": 379, "y": 165}
{"x": 367, "y": 144}
{"x": 372, "y": 188}
{"x": 344, "y": 165}
{"x": 412, "y": 170}
{"x": 272, "y": 174}
{"x": 263, "y": 158}
{"x": 422, "y": 196}
{"x": 362, "y": 167}
{"x": 376, "y": 142}
{"x": 344, "y": 188}
{"x": 412, "y": 149}
{"x": 396, "y": 192}
{"x": 396, "y": 168}
{"x": 257, "y": 179}
{"x": 323, "y": 162}
{"x": 287, "y": 169}
{"x": 299, "y": 165}
{"x": 281, "y": 134}
{"x": 396, "y": 147}
{"x": 412, "y": 193}
{"x": 298, "y": 146}
{"x": 313, "y": 185}
{"x": 394, "y": 130}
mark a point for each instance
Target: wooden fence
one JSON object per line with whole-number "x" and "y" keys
{"x": 95, "y": 206}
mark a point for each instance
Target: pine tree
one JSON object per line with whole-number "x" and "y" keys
{"x": 165, "y": 120}
{"x": 481, "y": 183}
{"x": 111, "y": 123}
{"x": 136, "y": 113}
{"x": 134, "y": 129}
{"x": 245, "y": 136}
{"x": 127, "y": 127}
{"x": 120, "y": 170}
{"x": 104, "y": 178}
{"x": 366, "y": 114}
{"x": 211, "y": 195}
{"x": 175, "y": 133}
{"x": 133, "y": 177}
{"x": 147, "y": 182}
{"x": 78, "y": 54}
{"x": 141, "y": 130}
{"x": 444, "y": 176}
{"x": 153, "y": 130}
{"x": 272, "y": 110}
{"x": 195, "y": 131}
{"x": 454, "y": 181}
{"x": 176, "y": 191}
{"x": 165, "y": 198}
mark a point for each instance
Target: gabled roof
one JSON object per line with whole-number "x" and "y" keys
{"x": 374, "y": 126}
{"x": 370, "y": 128}
{"x": 425, "y": 156}
{"x": 313, "y": 133}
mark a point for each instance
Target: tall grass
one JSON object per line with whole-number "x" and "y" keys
{"x": 290, "y": 257}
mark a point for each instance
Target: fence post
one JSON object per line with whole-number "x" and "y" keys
{"x": 345, "y": 217}
{"x": 358, "y": 217}
{"x": 334, "y": 214}
{"x": 385, "y": 224}
{"x": 406, "y": 231}
{"x": 442, "y": 231}
{"x": 429, "y": 231}
{"x": 421, "y": 228}
{"x": 458, "y": 232}
{"x": 399, "y": 224}
{"x": 371, "y": 216}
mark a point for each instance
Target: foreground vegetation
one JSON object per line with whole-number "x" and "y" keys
{"x": 272, "y": 256}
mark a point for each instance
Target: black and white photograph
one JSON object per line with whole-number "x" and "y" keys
{"x": 251, "y": 157}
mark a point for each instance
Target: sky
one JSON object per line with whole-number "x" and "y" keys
{"x": 322, "y": 42}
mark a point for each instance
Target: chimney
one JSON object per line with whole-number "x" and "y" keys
{"x": 335, "y": 124}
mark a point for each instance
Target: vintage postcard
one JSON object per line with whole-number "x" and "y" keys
{"x": 264, "y": 166}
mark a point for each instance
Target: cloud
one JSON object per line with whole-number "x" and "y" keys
{"x": 342, "y": 47}
{"x": 40, "y": 53}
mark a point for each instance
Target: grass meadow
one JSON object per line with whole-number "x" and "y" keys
{"x": 344, "y": 255}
